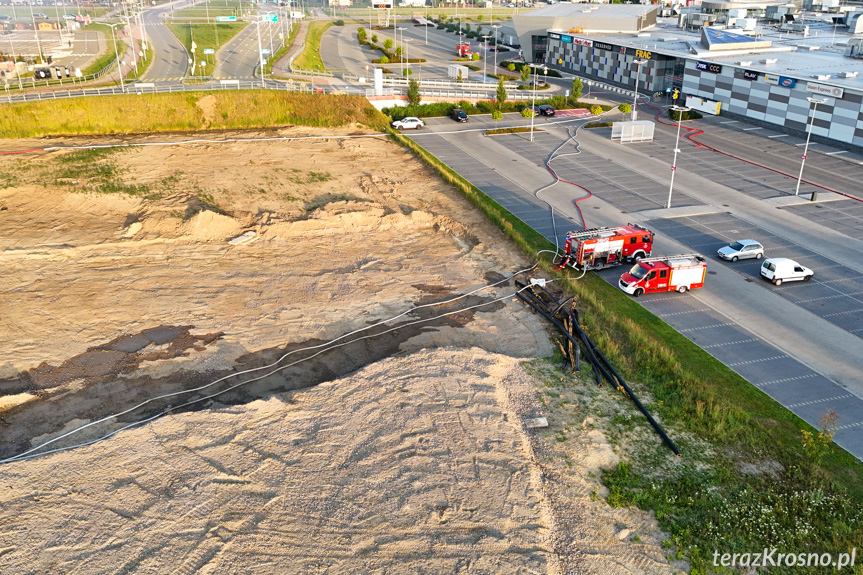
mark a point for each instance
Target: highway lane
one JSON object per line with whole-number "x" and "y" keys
{"x": 795, "y": 342}
{"x": 170, "y": 58}
{"x": 238, "y": 58}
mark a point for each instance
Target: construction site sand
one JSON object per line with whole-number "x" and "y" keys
{"x": 416, "y": 463}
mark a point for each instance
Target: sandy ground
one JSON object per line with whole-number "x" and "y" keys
{"x": 404, "y": 452}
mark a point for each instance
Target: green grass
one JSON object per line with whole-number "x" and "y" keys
{"x": 268, "y": 68}
{"x": 310, "y": 57}
{"x": 143, "y": 62}
{"x": 180, "y": 111}
{"x": 103, "y": 60}
{"x": 205, "y": 35}
{"x": 719, "y": 420}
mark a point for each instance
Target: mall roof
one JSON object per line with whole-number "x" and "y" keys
{"x": 581, "y": 11}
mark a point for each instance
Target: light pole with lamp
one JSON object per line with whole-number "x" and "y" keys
{"x": 117, "y": 54}
{"x": 680, "y": 110}
{"x": 638, "y": 64}
{"x": 533, "y": 105}
{"x": 484, "y": 58}
{"x": 815, "y": 102}
{"x": 495, "y": 47}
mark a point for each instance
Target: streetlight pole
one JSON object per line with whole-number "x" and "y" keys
{"x": 495, "y": 47}
{"x": 815, "y": 102}
{"x": 261, "y": 60}
{"x": 680, "y": 110}
{"x": 533, "y": 105}
{"x": 638, "y": 64}
{"x": 117, "y": 55}
{"x": 484, "y": 58}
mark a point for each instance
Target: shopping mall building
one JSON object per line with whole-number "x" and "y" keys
{"x": 749, "y": 60}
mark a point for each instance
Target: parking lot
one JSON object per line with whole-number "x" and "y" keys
{"x": 797, "y": 342}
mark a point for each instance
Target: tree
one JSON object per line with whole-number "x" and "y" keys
{"x": 510, "y": 67}
{"x": 385, "y": 60}
{"x": 475, "y": 57}
{"x": 374, "y": 38}
{"x": 467, "y": 27}
{"x": 361, "y": 33}
{"x": 525, "y": 73}
{"x": 460, "y": 78}
{"x": 414, "y": 97}
{"x": 625, "y": 108}
{"x": 388, "y": 44}
{"x": 398, "y": 52}
{"x": 596, "y": 110}
{"x": 501, "y": 93}
{"x": 577, "y": 86}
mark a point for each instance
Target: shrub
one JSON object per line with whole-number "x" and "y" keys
{"x": 374, "y": 38}
{"x": 527, "y": 113}
{"x": 339, "y": 23}
{"x": 361, "y": 33}
{"x": 475, "y": 57}
{"x": 497, "y": 115}
{"x": 577, "y": 87}
{"x": 388, "y": 44}
{"x": 625, "y": 108}
{"x": 688, "y": 115}
{"x": 596, "y": 110}
{"x": 510, "y": 67}
{"x": 407, "y": 72}
{"x": 385, "y": 60}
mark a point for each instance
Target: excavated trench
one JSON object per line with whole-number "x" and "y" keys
{"x": 88, "y": 387}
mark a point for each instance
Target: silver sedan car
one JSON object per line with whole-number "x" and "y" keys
{"x": 741, "y": 250}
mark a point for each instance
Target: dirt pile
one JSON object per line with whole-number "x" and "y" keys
{"x": 210, "y": 259}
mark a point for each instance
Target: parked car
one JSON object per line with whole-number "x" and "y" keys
{"x": 546, "y": 110}
{"x": 40, "y": 16}
{"x": 409, "y": 123}
{"x": 69, "y": 17}
{"x": 5, "y": 17}
{"x": 458, "y": 115}
{"x": 780, "y": 270}
{"x": 741, "y": 250}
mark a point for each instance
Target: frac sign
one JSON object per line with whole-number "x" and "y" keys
{"x": 825, "y": 90}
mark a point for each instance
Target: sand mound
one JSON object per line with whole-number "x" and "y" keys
{"x": 208, "y": 226}
{"x": 416, "y": 461}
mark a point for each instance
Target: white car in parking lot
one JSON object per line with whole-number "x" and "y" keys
{"x": 409, "y": 123}
{"x": 778, "y": 270}
{"x": 741, "y": 250}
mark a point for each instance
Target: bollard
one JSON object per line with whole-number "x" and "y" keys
{"x": 814, "y": 196}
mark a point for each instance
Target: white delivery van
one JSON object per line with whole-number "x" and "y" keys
{"x": 778, "y": 270}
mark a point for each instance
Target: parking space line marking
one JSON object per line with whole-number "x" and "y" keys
{"x": 780, "y": 136}
{"x": 759, "y": 360}
{"x": 688, "y": 311}
{"x": 704, "y": 327}
{"x": 786, "y": 379}
{"x": 822, "y": 400}
{"x": 730, "y": 343}
{"x": 750, "y": 129}
{"x": 850, "y": 425}
{"x": 839, "y": 152}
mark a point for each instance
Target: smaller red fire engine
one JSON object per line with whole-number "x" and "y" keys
{"x": 665, "y": 273}
{"x": 463, "y": 49}
{"x": 599, "y": 248}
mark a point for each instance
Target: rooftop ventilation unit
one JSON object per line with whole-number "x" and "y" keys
{"x": 744, "y": 63}
{"x": 768, "y": 61}
{"x": 849, "y": 74}
{"x": 643, "y": 35}
{"x": 821, "y": 76}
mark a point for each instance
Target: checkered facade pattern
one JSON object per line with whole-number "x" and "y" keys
{"x": 611, "y": 64}
{"x": 838, "y": 118}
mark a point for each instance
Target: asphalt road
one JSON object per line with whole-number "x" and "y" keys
{"x": 799, "y": 343}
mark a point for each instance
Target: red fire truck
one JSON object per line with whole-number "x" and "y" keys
{"x": 599, "y": 248}
{"x": 665, "y": 273}
{"x": 463, "y": 49}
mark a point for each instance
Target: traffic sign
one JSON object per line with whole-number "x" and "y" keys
{"x": 226, "y": 18}
{"x": 265, "y": 50}
{"x": 209, "y": 51}
{"x": 271, "y": 17}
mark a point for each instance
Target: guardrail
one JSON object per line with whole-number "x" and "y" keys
{"x": 449, "y": 84}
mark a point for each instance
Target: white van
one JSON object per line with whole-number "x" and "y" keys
{"x": 778, "y": 270}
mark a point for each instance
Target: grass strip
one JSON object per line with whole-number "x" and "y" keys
{"x": 131, "y": 113}
{"x": 310, "y": 57}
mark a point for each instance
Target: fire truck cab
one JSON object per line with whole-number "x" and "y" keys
{"x": 665, "y": 273}
{"x": 463, "y": 49}
{"x": 599, "y": 248}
